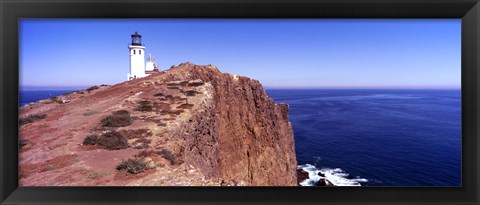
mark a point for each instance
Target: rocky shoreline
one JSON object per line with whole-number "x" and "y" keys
{"x": 310, "y": 175}
{"x": 303, "y": 175}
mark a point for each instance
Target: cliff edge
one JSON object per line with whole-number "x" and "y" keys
{"x": 190, "y": 125}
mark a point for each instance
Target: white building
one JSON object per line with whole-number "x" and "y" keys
{"x": 151, "y": 66}
{"x": 138, "y": 68}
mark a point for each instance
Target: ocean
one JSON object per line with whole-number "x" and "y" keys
{"x": 367, "y": 137}
{"x": 33, "y": 95}
{"x": 377, "y": 137}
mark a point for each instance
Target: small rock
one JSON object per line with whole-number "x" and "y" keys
{"x": 301, "y": 175}
{"x": 324, "y": 182}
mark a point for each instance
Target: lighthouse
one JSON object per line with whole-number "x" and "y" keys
{"x": 138, "y": 69}
{"x": 137, "y": 58}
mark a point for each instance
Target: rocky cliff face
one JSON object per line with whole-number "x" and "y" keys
{"x": 189, "y": 125}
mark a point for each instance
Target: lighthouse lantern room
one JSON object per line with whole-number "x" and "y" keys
{"x": 136, "y": 39}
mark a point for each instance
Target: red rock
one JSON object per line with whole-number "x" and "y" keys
{"x": 231, "y": 133}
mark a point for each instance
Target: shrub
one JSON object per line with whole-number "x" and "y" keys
{"x": 185, "y": 106}
{"x": 173, "y": 87}
{"x": 92, "y": 88}
{"x": 195, "y": 84}
{"x": 191, "y": 93}
{"x": 143, "y": 153}
{"x": 31, "y": 118}
{"x": 174, "y": 112}
{"x": 170, "y": 97}
{"x": 90, "y": 140}
{"x": 142, "y": 146}
{"x": 165, "y": 112}
{"x": 119, "y": 118}
{"x": 132, "y": 166}
{"x": 121, "y": 112}
{"x": 166, "y": 154}
{"x": 179, "y": 98}
{"x": 173, "y": 84}
{"x": 112, "y": 140}
{"x": 144, "y": 106}
{"x": 56, "y": 100}
{"x": 158, "y": 94}
{"x": 183, "y": 83}
{"x": 143, "y": 140}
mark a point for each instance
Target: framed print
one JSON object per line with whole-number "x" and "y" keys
{"x": 345, "y": 102}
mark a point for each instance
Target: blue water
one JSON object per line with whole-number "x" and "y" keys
{"x": 28, "y": 96}
{"x": 389, "y": 137}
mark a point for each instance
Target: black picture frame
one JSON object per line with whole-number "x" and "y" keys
{"x": 11, "y": 11}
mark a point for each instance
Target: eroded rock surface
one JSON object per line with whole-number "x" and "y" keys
{"x": 190, "y": 125}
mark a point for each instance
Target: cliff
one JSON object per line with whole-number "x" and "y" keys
{"x": 189, "y": 125}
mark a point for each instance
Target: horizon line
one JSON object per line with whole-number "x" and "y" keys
{"x": 265, "y": 87}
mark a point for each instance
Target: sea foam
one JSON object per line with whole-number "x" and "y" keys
{"x": 336, "y": 176}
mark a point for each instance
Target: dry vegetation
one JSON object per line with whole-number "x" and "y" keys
{"x": 195, "y": 84}
{"x": 144, "y": 106}
{"x": 119, "y": 118}
{"x": 92, "y": 88}
{"x": 112, "y": 140}
{"x": 31, "y": 118}
{"x": 90, "y": 140}
{"x": 168, "y": 155}
{"x": 185, "y": 106}
{"x": 132, "y": 166}
{"x": 143, "y": 153}
{"x": 190, "y": 92}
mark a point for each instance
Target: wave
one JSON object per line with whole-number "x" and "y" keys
{"x": 336, "y": 176}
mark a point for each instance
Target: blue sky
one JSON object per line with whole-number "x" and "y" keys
{"x": 321, "y": 53}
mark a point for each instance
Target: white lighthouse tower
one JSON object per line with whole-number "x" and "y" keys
{"x": 138, "y": 69}
{"x": 137, "y": 57}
